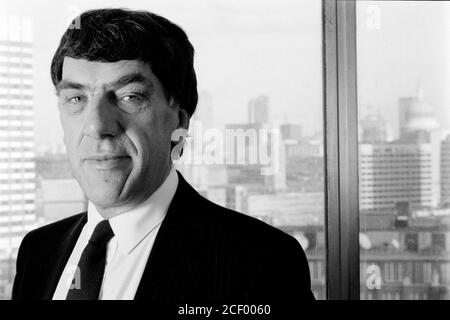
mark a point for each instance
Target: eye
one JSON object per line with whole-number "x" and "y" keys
{"x": 133, "y": 98}
{"x": 76, "y": 99}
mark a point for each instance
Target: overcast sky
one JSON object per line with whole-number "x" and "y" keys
{"x": 411, "y": 47}
{"x": 246, "y": 48}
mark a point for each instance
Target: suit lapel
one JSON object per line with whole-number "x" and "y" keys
{"x": 55, "y": 258}
{"x": 172, "y": 269}
{"x": 174, "y": 262}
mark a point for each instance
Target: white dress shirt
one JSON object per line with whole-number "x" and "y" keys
{"x": 128, "y": 251}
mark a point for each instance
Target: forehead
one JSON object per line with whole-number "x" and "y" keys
{"x": 97, "y": 73}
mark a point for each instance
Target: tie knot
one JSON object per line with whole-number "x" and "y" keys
{"x": 102, "y": 233}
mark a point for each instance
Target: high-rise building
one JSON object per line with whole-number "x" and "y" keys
{"x": 445, "y": 172}
{"x": 17, "y": 165}
{"x": 194, "y": 163}
{"x": 418, "y": 125}
{"x": 396, "y": 173}
{"x": 258, "y": 110}
{"x": 416, "y": 118}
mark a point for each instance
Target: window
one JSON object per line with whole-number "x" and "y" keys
{"x": 403, "y": 116}
{"x": 351, "y": 110}
{"x": 259, "y": 70}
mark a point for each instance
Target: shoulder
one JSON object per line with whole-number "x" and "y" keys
{"x": 274, "y": 256}
{"x": 240, "y": 227}
{"x": 38, "y": 241}
{"x": 52, "y": 231}
{"x": 224, "y": 222}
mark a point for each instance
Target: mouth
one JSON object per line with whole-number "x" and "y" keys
{"x": 107, "y": 161}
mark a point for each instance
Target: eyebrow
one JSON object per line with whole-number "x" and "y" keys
{"x": 135, "y": 77}
{"x": 67, "y": 84}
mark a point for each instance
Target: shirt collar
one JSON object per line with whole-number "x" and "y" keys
{"x": 131, "y": 227}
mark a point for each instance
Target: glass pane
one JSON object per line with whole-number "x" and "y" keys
{"x": 256, "y": 142}
{"x": 404, "y": 144}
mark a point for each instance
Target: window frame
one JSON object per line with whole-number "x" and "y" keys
{"x": 341, "y": 149}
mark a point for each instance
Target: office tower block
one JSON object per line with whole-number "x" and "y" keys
{"x": 17, "y": 166}
{"x": 258, "y": 110}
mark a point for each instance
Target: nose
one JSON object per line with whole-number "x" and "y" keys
{"x": 102, "y": 119}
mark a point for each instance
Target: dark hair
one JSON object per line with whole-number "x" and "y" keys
{"x": 110, "y": 35}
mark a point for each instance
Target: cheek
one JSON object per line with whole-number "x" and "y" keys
{"x": 67, "y": 136}
{"x": 150, "y": 141}
{"x": 71, "y": 136}
{"x": 158, "y": 126}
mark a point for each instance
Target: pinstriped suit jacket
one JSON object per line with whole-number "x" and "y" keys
{"x": 202, "y": 253}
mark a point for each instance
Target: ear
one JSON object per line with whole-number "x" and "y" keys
{"x": 183, "y": 119}
{"x": 183, "y": 123}
{"x": 183, "y": 116}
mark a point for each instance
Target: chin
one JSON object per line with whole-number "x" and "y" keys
{"x": 104, "y": 200}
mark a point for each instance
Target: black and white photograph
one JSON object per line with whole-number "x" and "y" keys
{"x": 224, "y": 158}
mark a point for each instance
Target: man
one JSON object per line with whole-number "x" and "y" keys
{"x": 125, "y": 82}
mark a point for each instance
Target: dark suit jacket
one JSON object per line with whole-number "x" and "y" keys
{"x": 203, "y": 252}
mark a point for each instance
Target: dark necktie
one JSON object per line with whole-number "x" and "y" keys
{"x": 89, "y": 274}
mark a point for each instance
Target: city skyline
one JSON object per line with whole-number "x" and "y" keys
{"x": 267, "y": 36}
{"x": 298, "y": 35}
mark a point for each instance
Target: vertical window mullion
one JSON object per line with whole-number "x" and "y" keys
{"x": 341, "y": 126}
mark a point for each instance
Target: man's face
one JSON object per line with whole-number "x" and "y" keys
{"x": 117, "y": 125}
